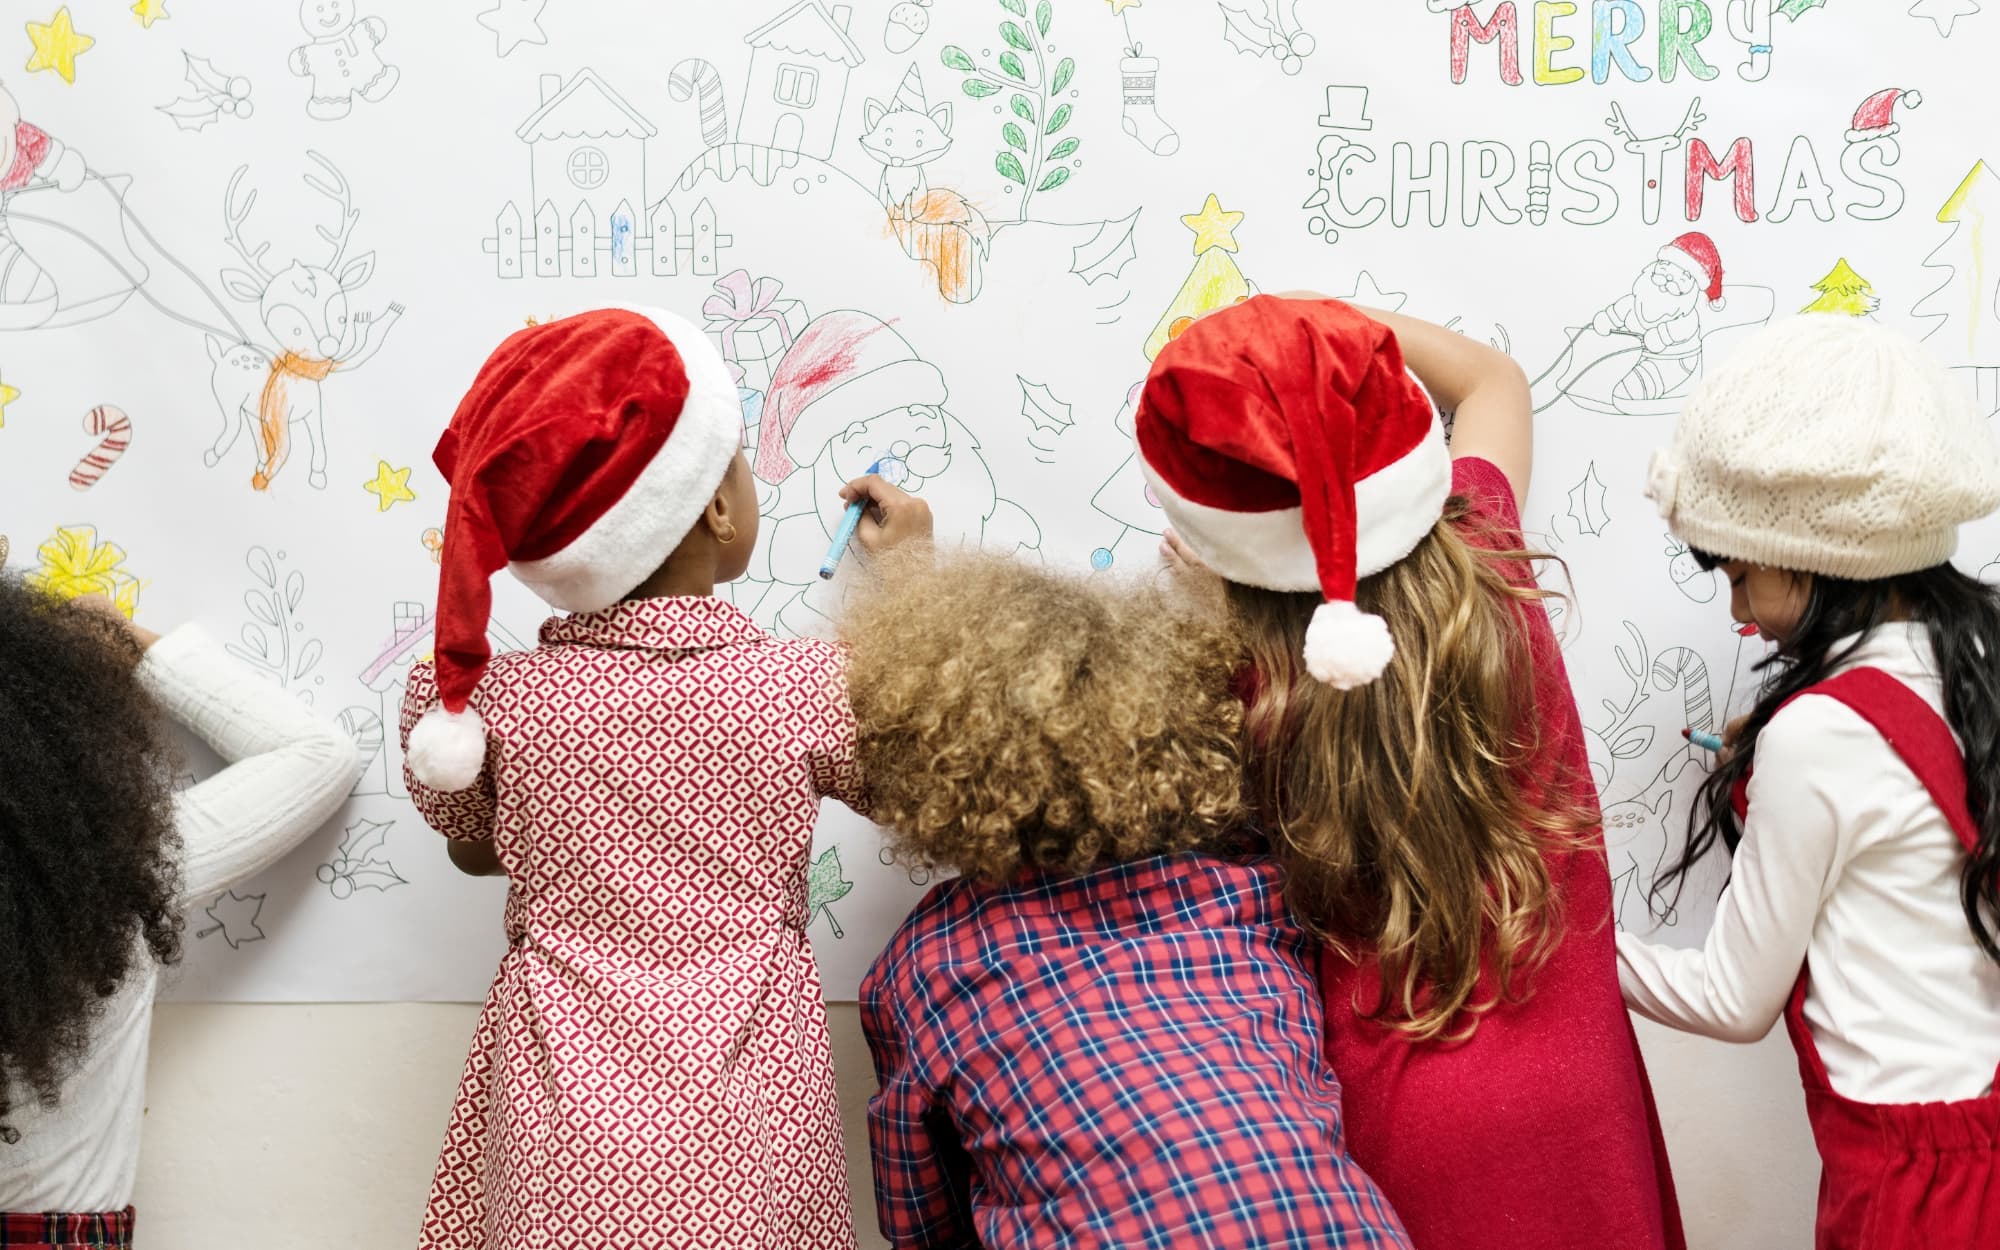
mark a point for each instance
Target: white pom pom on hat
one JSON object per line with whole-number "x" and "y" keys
{"x": 1346, "y": 647}
{"x": 447, "y": 750}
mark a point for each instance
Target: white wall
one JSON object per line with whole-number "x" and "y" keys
{"x": 315, "y": 1127}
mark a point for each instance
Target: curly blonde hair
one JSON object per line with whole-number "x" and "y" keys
{"x": 1014, "y": 718}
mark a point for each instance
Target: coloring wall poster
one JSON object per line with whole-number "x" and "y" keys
{"x": 250, "y": 261}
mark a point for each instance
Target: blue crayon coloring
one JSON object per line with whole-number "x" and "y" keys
{"x": 1707, "y": 742}
{"x": 891, "y": 470}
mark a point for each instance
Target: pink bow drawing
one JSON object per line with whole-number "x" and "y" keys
{"x": 740, "y": 300}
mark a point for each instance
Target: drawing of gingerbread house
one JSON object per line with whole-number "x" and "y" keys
{"x": 587, "y": 146}
{"x": 386, "y": 676}
{"x": 799, "y": 71}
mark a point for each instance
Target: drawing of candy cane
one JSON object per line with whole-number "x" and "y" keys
{"x": 694, "y": 76}
{"x": 114, "y": 430}
{"x": 1679, "y": 666}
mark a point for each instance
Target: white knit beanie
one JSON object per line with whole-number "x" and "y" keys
{"x": 1828, "y": 444}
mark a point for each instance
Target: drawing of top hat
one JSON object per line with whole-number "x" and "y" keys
{"x": 1346, "y": 109}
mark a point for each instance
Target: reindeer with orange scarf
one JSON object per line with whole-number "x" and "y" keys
{"x": 304, "y": 308}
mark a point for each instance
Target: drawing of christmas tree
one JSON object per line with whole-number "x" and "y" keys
{"x": 1967, "y": 325}
{"x": 1965, "y": 307}
{"x": 1216, "y": 281}
{"x": 1844, "y": 291}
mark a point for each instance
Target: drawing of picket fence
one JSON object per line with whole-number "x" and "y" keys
{"x": 581, "y": 245}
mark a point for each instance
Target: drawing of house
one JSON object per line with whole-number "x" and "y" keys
{"x": 798, "y": 80}
{"x": 388, "y": 673}
{"x": 587, "y": 148}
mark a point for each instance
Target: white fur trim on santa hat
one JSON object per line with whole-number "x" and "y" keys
{"x": 1394, "y": 508}
{"x": 447, "y": 750}
{"x": 627, "y": 544}
{"x": 1346, "y": 647}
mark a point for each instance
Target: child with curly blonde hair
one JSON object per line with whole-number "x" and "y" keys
{"x": 1106, "y": 1032}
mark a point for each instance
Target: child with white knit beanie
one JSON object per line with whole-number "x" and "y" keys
{"x": 1826, "y": 468}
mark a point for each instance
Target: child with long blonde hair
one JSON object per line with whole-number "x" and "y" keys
{"x": 1414, "y": 755}
{"x": 1106, "y": 1032}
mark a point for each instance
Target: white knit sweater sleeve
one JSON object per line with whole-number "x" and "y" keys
{"x": 1816, "y": 761}
{"x": 288, "y": 771}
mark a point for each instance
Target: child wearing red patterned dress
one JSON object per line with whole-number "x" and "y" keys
{"x": 652, "y": 1064}
{"x": 1105, "y": 1034}
{"x": 1415, "y": 756}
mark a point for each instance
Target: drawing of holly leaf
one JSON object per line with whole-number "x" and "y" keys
{"x": 363, "y": 839}
{"x": 191, "y": 114}
{"x": 1586, "y": 503}
{"x": 1245, "y": 32}
{"x": 1793, "y": 8}
{"x": 826, "y": 884}
{"x": 1109, "y": 250}
{"x": 235, "y": 916}
{"x": 375, "y": 877}
{"x": 203, "y": 76}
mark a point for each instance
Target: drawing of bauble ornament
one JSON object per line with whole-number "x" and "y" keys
{"x": 908, "y": 23}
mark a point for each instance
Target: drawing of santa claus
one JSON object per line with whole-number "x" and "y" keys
{"x": 1663, "y": 309}
{"x": 849, "y": 393}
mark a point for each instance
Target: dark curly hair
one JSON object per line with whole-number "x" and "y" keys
{"x": 88, "y": 855}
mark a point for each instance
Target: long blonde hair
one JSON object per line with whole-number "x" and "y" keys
{"x": 1412, "y": 814}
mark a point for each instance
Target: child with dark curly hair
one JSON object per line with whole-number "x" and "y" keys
{"x": 1106, "y": 1033}
{"x": 98, "y": 858}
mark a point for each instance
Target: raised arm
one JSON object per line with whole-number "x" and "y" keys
{"x": 1481, "y": 385}
{"x": 288, "y": 771}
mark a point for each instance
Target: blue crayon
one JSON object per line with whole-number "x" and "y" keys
{"x": 1707, "y": 742}
{"x": 846, "y": 531}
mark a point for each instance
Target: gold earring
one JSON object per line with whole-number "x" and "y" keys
{"x": 727, "y": 535}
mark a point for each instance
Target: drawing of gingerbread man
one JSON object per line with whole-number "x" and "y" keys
{"x": 342, "y": 60}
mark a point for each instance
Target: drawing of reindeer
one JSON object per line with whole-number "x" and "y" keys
{"x": 304, "y": 309}
{"x": 1654, "y": 151}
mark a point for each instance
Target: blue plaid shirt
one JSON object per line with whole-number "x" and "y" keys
{"x": 1129, "y": 1059}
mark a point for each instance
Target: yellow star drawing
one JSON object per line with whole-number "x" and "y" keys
{"x": 1213, "y": 228}
{"x": 150, "y": 11}
{"x": 390, "y": 487}
{"x": 8, "y": 395}
{"x": 57, "y": 45}
{"x": 1119, "y": 6}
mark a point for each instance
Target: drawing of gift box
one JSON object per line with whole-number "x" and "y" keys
{"x": 752, "y": 326}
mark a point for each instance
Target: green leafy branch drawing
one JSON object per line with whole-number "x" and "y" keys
{"x": 826, "y": 884}
{"x": 1032, "y": 157}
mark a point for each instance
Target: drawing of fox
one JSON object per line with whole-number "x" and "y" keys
{"x": 937, "y": 226}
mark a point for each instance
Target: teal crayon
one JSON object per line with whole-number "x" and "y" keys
{"x": 1707, "y": 742}
{"x": 845, "y": 534}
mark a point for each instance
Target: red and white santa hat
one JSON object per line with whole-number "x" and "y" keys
{"x": 845, "y": 367}
{"x": 1876, "y": 118}
{"x": 1292, "y": 450}
{"x": 584, "y": 453}
{"x": 1696, "y": 253}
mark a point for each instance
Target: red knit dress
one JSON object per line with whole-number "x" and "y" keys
{"x": 1538, "y": 1133}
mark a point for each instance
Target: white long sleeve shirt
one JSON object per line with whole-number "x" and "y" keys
{"x": 287, "y": 773}
{"x": 1847, "y": 866}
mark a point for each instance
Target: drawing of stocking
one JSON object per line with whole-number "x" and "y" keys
{"x": 1142, "y": 118}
